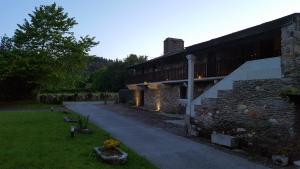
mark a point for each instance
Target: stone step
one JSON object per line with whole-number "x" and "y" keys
{"x": 179, "y": 123}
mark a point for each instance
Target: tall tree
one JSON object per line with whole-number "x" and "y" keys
{"x": 43, "y": 54}
{"x": 47, "y": 42}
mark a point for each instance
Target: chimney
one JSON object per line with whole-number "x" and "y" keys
{"x": 172, "y": 45}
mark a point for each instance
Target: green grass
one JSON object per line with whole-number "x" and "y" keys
{"x": 28, "y": 104}
{"x": 41, "y": 141}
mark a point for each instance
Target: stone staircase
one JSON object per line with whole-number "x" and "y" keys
{"x": 251, "y": 103}
{"x": 269, "y": 68}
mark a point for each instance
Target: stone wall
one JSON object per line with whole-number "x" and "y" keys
{"x": 257, "y": 108}
{"x": 290, "y": 49}
{"x": 257, "y": 101}
{"x": 165, "y": 99}
{"x": 170, "y": 96}
{"x": 254, "y": 105}
{"x": 151, "y": 98}
{"x": 57, "y": 98}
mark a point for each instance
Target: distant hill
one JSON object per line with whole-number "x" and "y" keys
{"x": 96, "y": 63}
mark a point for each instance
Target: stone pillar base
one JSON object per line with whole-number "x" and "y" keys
{"x": 190, "y": 129}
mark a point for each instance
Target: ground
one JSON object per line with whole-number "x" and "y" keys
{"x": 164, "y": 149}
{"x": 151, "y": 118}
{"x": 162, "y": 120}
{"x": 33, "y": 139}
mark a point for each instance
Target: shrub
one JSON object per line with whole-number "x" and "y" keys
{"x": 83, "y": 122}
{"x": 289, "y": 91}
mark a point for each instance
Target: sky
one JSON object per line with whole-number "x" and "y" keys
{"x": 140, "y": 26}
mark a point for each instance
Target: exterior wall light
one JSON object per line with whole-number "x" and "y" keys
{"x": 137, "y": 98}
{"x": 158, "y": 105}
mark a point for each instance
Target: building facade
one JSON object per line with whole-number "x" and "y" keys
{"x": 161, "y": 83}
{"x": 232, "y": 82}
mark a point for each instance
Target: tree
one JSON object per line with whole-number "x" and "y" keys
{"x": 6, "y": 44}
{"x": 10, "y": 82}
{"x": 133, "y": 59}
{"x": 48, "y": 43}
{"x": 5, "y": 49}
{"x": 113, "y": 77}
{"x": 44, "y": 53}
{"x": 94, "y": 66}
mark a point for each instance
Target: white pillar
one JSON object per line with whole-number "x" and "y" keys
{"x": 190, "y": 89}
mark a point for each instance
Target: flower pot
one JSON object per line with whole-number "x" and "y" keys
{"x": 280, "y": 160}
{"x": 224, "y": 140}
{"x": 111, "y": 156}
{"x": 297, "y": 164}
{"x": 71, "y": 120}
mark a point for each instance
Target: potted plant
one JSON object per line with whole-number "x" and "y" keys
{"x": 70, "y": 120}
{"x": 110, "y": 152}
{"x": 292, "y": 93}
{"x": 83, "y": 125}
{"x": 223, "y": 139}
{"x": 282, "y": 157}
{"x": 224, "y": 133}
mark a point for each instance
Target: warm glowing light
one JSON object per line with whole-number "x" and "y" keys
{"x": 157, "y": 101}
{"x": 157, "y": 105}
{"x": 137, "y": 101}
{"x": 137, "y": 98}
{"x": 145, "y": 83}
{"x": 199, "y": 77}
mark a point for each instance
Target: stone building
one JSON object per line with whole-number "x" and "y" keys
{"x": 234, "y": 81}
{"x": 161, "y": 83}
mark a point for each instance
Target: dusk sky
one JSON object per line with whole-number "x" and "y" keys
{"x": 140, "y": 26}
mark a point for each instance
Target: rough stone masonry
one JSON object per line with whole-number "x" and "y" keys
{"x": 271, "y": 122}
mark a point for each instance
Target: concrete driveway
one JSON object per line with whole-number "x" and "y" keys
{"x": 165, "y": 150}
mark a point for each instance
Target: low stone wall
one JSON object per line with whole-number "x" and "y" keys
{"x": 254, "y": 100}
{"x": 60, "y": 98}
{"x": 257, "y": 107}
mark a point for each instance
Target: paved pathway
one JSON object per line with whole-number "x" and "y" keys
{"x": 165, "y": 150}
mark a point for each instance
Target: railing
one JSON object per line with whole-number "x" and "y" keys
{"x": 222, "y": 68}
{"x": 225, "y": 67}
{"x": 200, "y": 70}
{"x": 163, "y": 75}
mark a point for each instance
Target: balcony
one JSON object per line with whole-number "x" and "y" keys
{"x": 163, "y": 75}
{"x": 220, "y": 68}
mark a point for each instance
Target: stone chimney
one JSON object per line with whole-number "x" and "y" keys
{"x": 172, "y": 45}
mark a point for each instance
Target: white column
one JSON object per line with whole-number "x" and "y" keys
{"x": 190, "y": 89}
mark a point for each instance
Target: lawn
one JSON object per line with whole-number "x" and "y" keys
{"x": 31, "y": 105}
{"x": 32, "y": 140}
